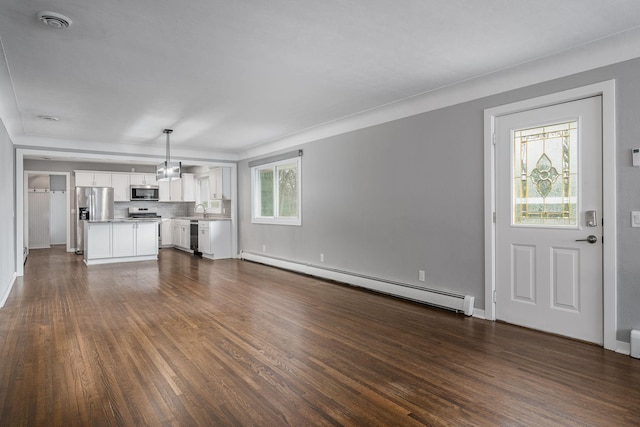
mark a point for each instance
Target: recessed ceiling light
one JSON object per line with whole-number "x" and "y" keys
{"x": 55, "y": 20}
{"x": 49, "y": 118}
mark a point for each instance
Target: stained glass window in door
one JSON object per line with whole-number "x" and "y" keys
{"x": 545, "y": 175}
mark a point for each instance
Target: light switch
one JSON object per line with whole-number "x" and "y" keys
{"x": 635, "y": 219}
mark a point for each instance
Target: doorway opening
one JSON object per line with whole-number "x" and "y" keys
{"x": 47, "y": 210}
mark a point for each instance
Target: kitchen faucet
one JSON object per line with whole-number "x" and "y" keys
{"x": 204, "y": 210}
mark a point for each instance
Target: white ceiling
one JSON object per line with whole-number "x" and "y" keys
{"x": 229, "y": 75}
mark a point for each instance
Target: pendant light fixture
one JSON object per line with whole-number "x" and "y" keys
{"x": 168, "y": 170}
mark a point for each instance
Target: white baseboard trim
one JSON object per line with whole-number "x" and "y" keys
{"x": 121, "y": 259}
{"x": 462, "y": 303}
{"x": 4, "y": 297}
{"x": 479, "y": 314}
{"x": 623, "y": 348}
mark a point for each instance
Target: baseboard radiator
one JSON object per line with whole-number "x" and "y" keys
{"x": 459, "y": 303}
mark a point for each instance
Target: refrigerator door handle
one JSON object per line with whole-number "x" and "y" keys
{"x": 92, "y": 206}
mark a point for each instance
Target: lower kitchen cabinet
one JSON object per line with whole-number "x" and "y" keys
{"x": 147, "y": 238}
{"x": 124, "y": 239}
{"x": 97, "y": 237}
{"x": 204, "y": 238}
{"x": 166, "y": 231}
{"x": 108, "y": 242}
{"x": 214, "y": 239}
{"x": 182, "y": 234}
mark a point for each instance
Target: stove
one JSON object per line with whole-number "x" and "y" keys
{"x": 144, "y": 213}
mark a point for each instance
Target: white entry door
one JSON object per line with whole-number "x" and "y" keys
{"x": 548, "y": 219}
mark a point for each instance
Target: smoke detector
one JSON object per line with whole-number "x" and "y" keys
{"x": 55, "y": 20}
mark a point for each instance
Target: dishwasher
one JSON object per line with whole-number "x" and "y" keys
{"x": 193, "y": 232}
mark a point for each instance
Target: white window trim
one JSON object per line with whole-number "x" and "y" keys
{"x": 254, "y": 194}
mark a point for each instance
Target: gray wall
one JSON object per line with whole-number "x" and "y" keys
{"x": 406, "y": 195}
{"x": 7, "y": 213}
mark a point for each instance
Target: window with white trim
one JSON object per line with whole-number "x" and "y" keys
{"x": 202, "y": 190}
{"x": 277, "y": 192}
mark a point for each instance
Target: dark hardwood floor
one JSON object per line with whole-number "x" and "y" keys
{"x": 187, "y": 342}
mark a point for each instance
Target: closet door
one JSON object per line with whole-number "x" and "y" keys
{"x": 39, "y": 220}
{"x": 58, "y": 218}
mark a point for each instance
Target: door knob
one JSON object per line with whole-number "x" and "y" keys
{"x": 590, "y": 239}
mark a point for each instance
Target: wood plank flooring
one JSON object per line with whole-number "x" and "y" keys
{"x": 192, "y": 342}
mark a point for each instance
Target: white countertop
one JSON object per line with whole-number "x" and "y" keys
{"x": 194, "y": 218}
{"x": 126, "y": 220}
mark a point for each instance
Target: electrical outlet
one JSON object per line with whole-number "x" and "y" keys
{"x": 321, "y": 257}
{"x": 421, "y": 275}
{"x": 264, "y": 248}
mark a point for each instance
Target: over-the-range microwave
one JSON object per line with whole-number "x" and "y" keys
{"x": 145, "y": 192}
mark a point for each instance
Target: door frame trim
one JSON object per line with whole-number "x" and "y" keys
{"x": 606, "y": 90}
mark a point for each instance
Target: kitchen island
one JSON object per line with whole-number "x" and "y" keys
{"x": 120, "y": 240}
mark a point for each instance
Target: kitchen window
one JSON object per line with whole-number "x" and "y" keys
{"x": 277, "y": 193}
{"x": 202, "y": 191}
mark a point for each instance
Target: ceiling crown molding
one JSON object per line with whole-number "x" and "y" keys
{"x": 610, "y": 50}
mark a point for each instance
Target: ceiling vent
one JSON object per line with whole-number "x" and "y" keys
{"x": 55, "y": 20}
{"x": 49, "y": 118}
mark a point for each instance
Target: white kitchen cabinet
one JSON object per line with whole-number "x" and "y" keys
{"x": 214, "y": 239}
{"x": 164, "y": 191}
{"x": 175, "y": 234}
{"x": 220, "y": 183}
{"x": 146, "y": 238}
{"x": 120, "y": 184}
{"x": 188, "y": 189}
{"x": 166, "y": 231}
{"x": 185, "y": 236}
{"x": 102, "y": 179}
{"x": 121, "y": 241}
{"x": 92, "y": 179}
{"x": 97, "y": 237}
{"x": 182, "y": 234}
{"x": 124, "y": 239}
{"x": 178, "y": 190}
{"x": 143, "y": 179}
{"x": 84, "y": 179}
{"x": 204, "y": 237}
{"x": 170, "y": 191}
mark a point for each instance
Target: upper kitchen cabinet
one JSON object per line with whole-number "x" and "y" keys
{"x": 164, "y": 191}
{"x": 92, "y": 179}
{"x": 143, "y": 179}
{"x": 220, "y": 183}
{"x": 188, "y": 187}
{"x": 178, "y": 190}
{"x": 120, "y": 183}
{"x": 168, "y": 191}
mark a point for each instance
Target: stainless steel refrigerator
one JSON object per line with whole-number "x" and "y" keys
{"x": 92, "y": 204}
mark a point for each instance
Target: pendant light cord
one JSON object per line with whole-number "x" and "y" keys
{"x": 168, "y": 132}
